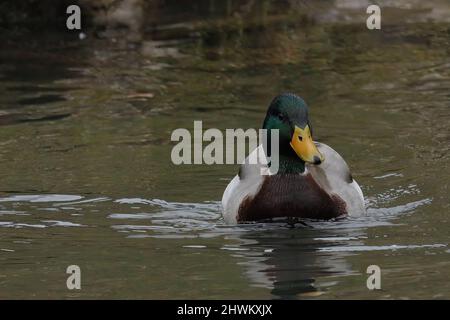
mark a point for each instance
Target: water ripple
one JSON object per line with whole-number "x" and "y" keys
{"x": 177, "y": 220}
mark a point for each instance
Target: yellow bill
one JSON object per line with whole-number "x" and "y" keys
{"x": 304, "y": 146}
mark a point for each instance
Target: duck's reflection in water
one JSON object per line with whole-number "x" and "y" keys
{"x": 290, "y": 260}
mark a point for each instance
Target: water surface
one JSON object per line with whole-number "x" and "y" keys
{"x": 86, "y": 176}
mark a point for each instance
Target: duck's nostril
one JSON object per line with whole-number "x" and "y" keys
{"x": 317, "y": 160}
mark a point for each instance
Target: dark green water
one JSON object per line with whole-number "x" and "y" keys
{"x": 86, "y": 176}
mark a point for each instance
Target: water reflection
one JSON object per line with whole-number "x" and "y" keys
{"x": 288, "y": 262}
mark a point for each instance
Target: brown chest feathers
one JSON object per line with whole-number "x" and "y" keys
{"x": 291, "y": 195}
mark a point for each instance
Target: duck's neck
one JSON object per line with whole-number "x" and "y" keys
{"x": 290, "y": 163}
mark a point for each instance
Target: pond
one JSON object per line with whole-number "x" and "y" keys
{"x": 86, "y": 176}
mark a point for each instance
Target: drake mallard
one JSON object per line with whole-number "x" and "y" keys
{"x": 313, "y": 181}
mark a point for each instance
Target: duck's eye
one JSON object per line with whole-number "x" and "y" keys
{"x": 281, "y": 116}
{"x": 300, "y": 138}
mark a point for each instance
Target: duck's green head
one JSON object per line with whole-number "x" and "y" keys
{"x": 289, "y": 114}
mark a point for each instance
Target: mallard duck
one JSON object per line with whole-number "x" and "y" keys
{"x": 313, "y": 181}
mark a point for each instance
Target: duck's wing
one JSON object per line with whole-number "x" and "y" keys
{"x": 334, "y": 176}
{"x": 246, "y": 183}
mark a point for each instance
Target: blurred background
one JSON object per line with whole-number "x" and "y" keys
{"x": 85, "y": 123}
